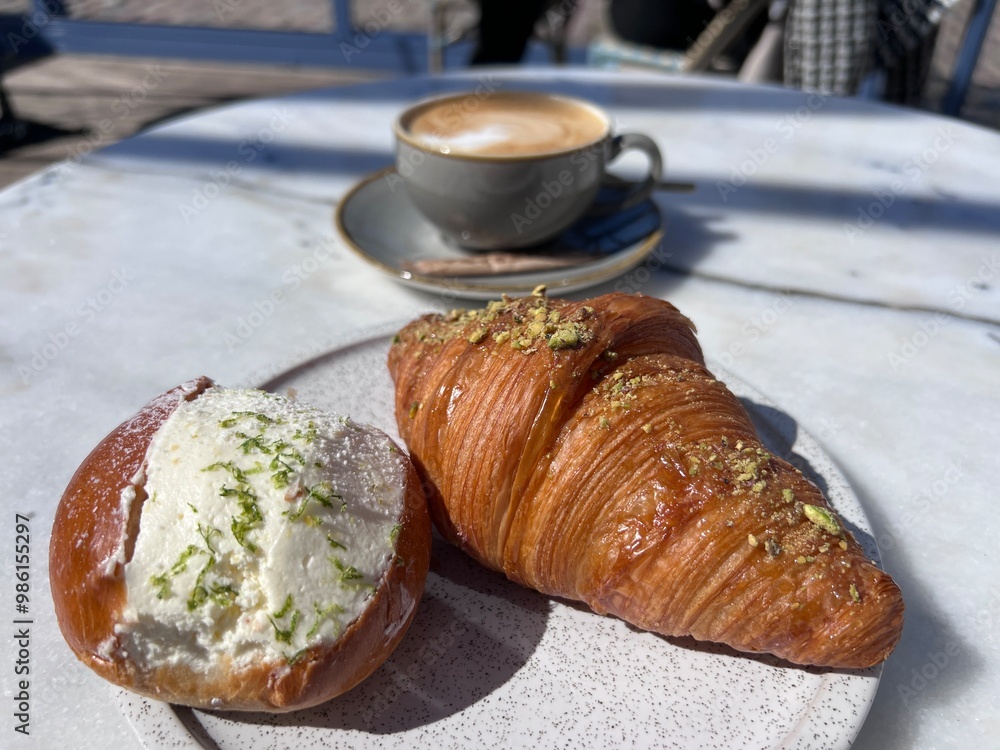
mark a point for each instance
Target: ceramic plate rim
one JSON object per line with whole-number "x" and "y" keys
{"x": 151, "y": 719}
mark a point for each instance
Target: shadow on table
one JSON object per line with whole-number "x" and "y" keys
{"x": 779, "y": 432}
{"x": 687, "y": 238}
{"x": 932, "y": 663}
{"x": 943, "y": 211}
{"x": 932, "y": 670}
{"x": 250, "y": 152}
{"x": 474, "y": 630}
{"x": 677, "y": 96}
{"x": 244, "y": 154}
{"x": 696, "y": 223}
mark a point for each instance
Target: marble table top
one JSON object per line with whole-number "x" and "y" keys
{"x": 842, "y": 257}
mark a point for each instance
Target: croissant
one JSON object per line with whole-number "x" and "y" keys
{"x": 584, "y": 450}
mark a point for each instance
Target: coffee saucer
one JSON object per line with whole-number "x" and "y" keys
{"x": 377, "y": 220}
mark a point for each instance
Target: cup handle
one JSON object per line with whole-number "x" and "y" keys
{"x": 640, "y": 191}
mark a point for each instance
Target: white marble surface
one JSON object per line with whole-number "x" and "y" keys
{"x": 159, "y": 259}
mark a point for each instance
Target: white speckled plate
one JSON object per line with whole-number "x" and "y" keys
{"x": 488, "y": 663}
{"x": 377, "y": 220}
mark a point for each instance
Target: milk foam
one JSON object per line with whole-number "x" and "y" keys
{"x": 473, "y": 140}
{"x": 506, "y": 126}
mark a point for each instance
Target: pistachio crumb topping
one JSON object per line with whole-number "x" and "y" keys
{"x": 822, "y": 518}
{"x": 521, "y": 343}
{"x": 524, "y": 324}
{"x": 564, "y": 338}
{"x": 751, "y": 540}
{"x": 854, "y": 593}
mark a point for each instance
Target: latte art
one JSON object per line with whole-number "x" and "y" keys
{"x": 504, "y": 170}
{"x": 505, "y": 125}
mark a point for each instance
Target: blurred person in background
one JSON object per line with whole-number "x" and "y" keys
{"x": 505, "y": 26}
{"x": 826, "y": 46}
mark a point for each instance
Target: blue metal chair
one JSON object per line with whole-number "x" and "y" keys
{"x": 968, "y": 56}
{"x": 725, "y": 27}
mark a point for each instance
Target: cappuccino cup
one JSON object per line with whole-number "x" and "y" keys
{"x": 512, "y": 169}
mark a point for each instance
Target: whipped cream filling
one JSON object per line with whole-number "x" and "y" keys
{"x": 266, "y": 529}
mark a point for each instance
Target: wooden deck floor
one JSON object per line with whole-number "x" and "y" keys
{"x": 65, "y": 97}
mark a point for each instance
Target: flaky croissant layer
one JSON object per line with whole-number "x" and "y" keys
{"x": 584, "y": 450}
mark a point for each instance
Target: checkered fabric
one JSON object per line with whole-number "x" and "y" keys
{"x": 831, "y": 45}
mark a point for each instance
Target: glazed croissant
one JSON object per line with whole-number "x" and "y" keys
{"x": 584, "y": 450}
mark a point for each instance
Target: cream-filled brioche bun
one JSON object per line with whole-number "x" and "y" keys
{"x": 233, "y": 549}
